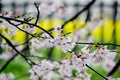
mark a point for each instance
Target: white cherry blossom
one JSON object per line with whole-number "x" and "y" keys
{"x": 57, "y": 28}
{"x": 8, "y": 76}
{"x": 64, "y": 43}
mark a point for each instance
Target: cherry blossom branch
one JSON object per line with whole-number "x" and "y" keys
{"x": 27, "y": 41}
{"x": 20, "y": 28}
{"x": 14, "y": 48}
{"x": 96, "y": 72}
{"x": 12, "y": 58}
{"x": 117, "y": 64}
{"x": 7, "y": 18}
{"x": 118, "y": 45}
{"x": 84, "y": 9}
{"x": 32, "y": 37}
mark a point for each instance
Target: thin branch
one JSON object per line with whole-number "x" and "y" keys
{"x": 12, "y": 58}
{"x": 20, "y": 28}
{"x": 14, "y": 48}
{"x": 114, "y": 68}
{"x": 27, "y": 23}
{"x": 32, "y": 37}
{"x": 87, "y": 18}
{"x": 84, "y": 9}
{"x": 38, "y": 13}
{"x": 96, "y": 72}
{"x": 115, "y": 8}
{"x": 118, "y": 45}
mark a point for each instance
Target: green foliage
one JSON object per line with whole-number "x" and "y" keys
{"x": 56, "y": 54}
{"x": 74, "y": 72}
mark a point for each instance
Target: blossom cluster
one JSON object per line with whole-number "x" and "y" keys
{"x": 66, "y": 69}
{"x": 75, "y": 67}
{"x": 59, "y": 41}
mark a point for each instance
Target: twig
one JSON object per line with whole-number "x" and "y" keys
{"x": 12, "y": 58}
{"x": 14, "y": 48}
{"x": 7, "y": 18}
{"x": 87, "y": 18}
{"x": 84, "y": 9}
{"x": 114, "y": 68}
{"x": 114, "y": 21}
{"x": 20, "y": 28}
{"x": 38, "y": 12}
{"x": 32, "y": 37}
{"x": 96, "y": 72}
{"x": 98, "y": 43}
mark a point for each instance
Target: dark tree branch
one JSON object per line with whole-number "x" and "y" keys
{"x": 38, "y": 13}
{"x": 32, "y": 37}
{"x": 98, "y": 44}
{"x": 20, "y": 28}
{"x": 14, "y": 48}
{"x": 87, "y": 18}
{"x": 114, "y": 68}
{"x": 7, "y": 18}
{"x": 115, "y": 9}
{"x": 96, "y": 72}
{"x": 12, "y": 58}
{"x": 84, "y": 9}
